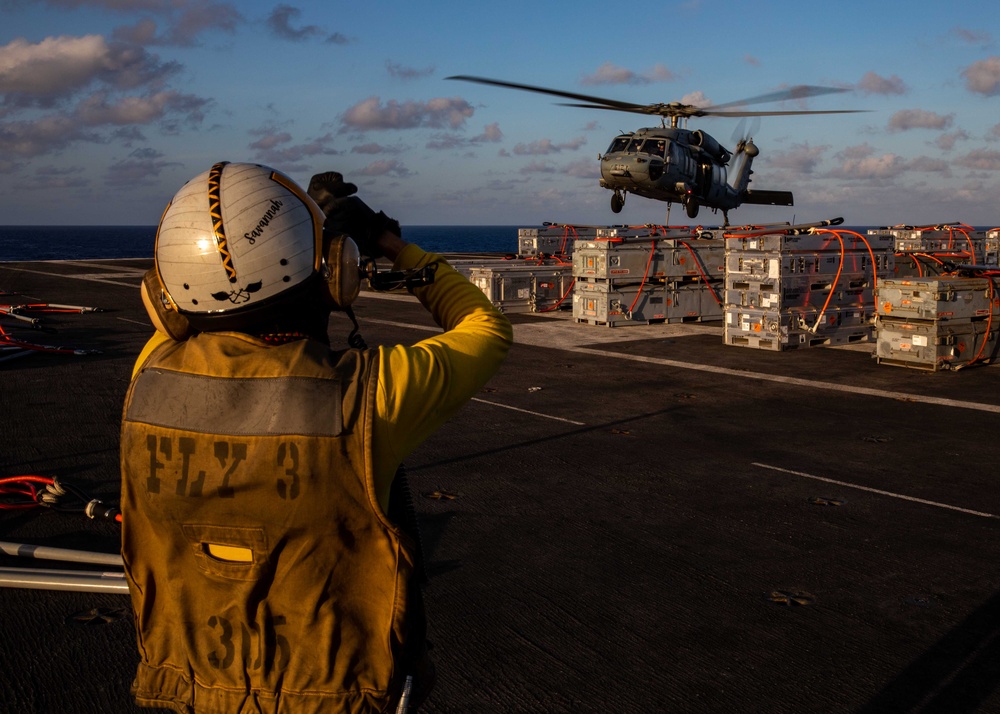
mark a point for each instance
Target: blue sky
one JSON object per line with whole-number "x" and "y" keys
{"x": 109, "y": 106}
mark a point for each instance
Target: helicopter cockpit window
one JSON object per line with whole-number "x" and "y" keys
{"x": 656, "y": 147}
{"x": 634, "y": 145}
{"x": 618, "y": 144}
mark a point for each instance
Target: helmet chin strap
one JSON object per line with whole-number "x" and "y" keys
{"x": 354, "y": 339}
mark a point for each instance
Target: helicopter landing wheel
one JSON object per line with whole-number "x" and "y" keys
{"x": 691, "y": 207}
{"x": 617, "y": 202}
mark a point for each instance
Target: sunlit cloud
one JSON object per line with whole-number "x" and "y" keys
{"x": 39, "y": 73}
{"x": 872, "y": 83}
{"x": 983, "y": 77}
{"x": 371, "y": 114}
{"x": 946, "y": 142}
{"x": 385, "y": 167}
{"x": 610, "y": 73}
{"x": 799, "y": 158}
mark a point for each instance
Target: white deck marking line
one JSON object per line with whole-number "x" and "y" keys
{"x": 89, "y": 277}
{"x": 528, "y": 411}
{"x": 876, "y": 490}
{"x": 136, "y": 322}
{"x": 809, "y": 383}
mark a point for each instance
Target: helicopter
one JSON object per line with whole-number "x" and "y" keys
{"x": 676, "y": 164}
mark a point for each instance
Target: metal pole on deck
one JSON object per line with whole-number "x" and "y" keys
{"x": 76, "y": 580}
{"x": 65, "y": 555}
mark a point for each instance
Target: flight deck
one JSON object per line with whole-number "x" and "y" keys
{"x": 638, "y": 519}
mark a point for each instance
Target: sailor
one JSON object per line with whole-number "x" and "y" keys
{"x": 265, "y": 571}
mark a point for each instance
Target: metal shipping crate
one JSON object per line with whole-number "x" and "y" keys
{"x": 523, "y": 288}
{"x": 964, "y": 245}
{"x": 775, "y": 265}
{"x": 935, "y": 345}
{"x": 629, "y": 262}
{"x": 945, "y": 297}
{"x": 789, "y": 330}
{"x": 693, "y": 302}
{"x": 804, "y": 291}
{"x": 601, "y": 303}
{"x": 551, "y": 240}
{"x": 810, "y": 242}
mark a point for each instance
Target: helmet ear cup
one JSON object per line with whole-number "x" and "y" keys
{"x": 341, "y": 271}
{"x": 164, "y": 318}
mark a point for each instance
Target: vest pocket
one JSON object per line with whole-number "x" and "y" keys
{"x": 228, "y": 551}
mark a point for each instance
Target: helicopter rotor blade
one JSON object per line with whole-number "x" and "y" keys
{"x": 601, "y": 102}
{"x": 801, "y": 91}
{"x": 673, "y": 109}
{"x": 711, "y": 113}
{"x": 637, "y": 109}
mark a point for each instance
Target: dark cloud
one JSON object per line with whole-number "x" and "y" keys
{"x": 981, "y": 160}
{"x": 141, "y": 168}
{"x": 906, "y": 119}
{"x": 400, "y": 72}
{"x": 280, "y": 21}
{"x": 275, "y": 148}
{"x": 374, "y": 148}
{"x": 543, "y": 147}
{"x": 44, "y": 135}
{"x": 972, "y": 37}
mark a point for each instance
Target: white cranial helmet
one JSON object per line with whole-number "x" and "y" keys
{"x": 235, "y": 238}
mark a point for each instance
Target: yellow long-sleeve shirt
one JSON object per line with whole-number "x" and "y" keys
{"x": 421, "y": 386}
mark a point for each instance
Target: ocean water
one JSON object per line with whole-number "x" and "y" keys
{"x": 89, "y": 242}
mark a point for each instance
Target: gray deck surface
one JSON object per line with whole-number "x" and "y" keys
{"x": 626, "y": 502}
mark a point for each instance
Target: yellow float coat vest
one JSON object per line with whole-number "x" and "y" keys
{"x": 263, "y": 575}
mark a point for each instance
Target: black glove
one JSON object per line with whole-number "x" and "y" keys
{"x": 346, "y": 213}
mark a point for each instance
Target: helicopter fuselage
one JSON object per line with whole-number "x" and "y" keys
{"x": 670, "y": 164}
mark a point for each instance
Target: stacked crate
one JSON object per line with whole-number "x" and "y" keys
{"x": 525, "y": 285}
{"x": 939, "y": 322}
{"x": 789, "y": 290}
{"x": 991, "y": 247}
{"x": 551, "y": 239}
{"x": 923, "y": 252}
{"x": 633, "y": 276}
{"x": 539, "y": 279}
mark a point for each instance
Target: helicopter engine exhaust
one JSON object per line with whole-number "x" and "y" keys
{"x": 712, "y": 147}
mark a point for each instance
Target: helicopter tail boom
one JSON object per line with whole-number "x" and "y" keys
{"x": 768, "y": 198}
